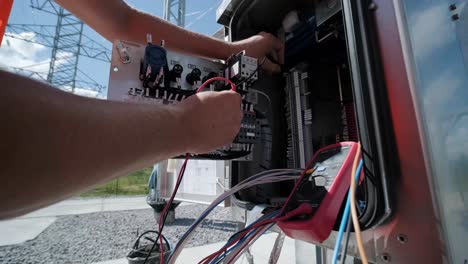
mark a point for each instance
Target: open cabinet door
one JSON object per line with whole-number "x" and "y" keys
{"x": 375, "y": 123}
{"x": 387, "y": 104}
{"x": 435, "y": 40}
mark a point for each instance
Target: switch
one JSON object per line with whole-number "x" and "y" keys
{"x": 209, "y": 76}
{"x": 194, "y": 76}
{"x": 176, "y": 73}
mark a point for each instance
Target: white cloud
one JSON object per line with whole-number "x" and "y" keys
{"x": 21, "y": 54}
{"x": 86, "y": 92}
{"x": 16, "y": 53}
{"x": 462, "y": 32}
{"x": 431, "y": 31}
{"x": 456, "y": 139}
{"x": 441, "y": 90}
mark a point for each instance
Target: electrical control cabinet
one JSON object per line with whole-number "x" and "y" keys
{"x": 153, "y": 75}
{"x": 349, "y": 76}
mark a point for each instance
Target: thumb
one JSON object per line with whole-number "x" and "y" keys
{"x": 271, "y": 67}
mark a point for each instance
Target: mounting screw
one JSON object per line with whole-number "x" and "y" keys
{"x": 402, "y": 238}
{"x": 386, "y": 258}
{"x": 372, "y": 6}
{"x": 455, "y": 17}
{"x": 452, "y": 7}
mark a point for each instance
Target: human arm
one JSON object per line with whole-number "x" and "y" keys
{"x": 114, "y": 19}
{"x": 54, "y": 144}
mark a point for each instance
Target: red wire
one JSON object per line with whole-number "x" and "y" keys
{"x": 233, "y": 86}
{"x": 301, "y": 210}
{"x": 181, "y": 172}
{"x": 168, "y": 205}
{"x": 239, "y": 237}
{"x": 278, "y": 218}
{"x": 246, "y": 244}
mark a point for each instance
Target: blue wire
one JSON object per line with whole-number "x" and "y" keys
{"x": 203, "y": 216}
{"x": 267, "y": 216}
{"x": 344, "y": 219}
{"x": 220, "y": 258}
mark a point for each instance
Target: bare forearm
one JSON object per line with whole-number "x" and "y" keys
{"x": 114, "y": 19}
{"x": 56, "y": 144}
{"x": 176, "y": 38}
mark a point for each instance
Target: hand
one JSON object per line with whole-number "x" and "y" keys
{"x": 259, "y": 46}
{"x": 211, "y": 119}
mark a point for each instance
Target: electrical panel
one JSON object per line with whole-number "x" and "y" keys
{"x": 151, "y": 74}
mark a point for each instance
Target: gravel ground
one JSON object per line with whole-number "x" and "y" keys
{"x": 103, "y": 236}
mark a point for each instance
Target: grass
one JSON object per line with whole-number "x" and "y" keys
{"x": 133, "y": 184}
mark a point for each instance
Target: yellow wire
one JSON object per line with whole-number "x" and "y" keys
{"x": 310, "y": 171}
{"x": 354, "y": 215}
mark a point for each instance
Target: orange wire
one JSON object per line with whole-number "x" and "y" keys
{"x": 354, "y": 214}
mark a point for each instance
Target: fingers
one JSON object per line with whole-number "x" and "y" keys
{"x": 237, "y": 103}
{"x": 279, "y": 49}
{"x": 231, "y": 94}
{"x": 275, "y": 55}
{"x": 271, "y": 67}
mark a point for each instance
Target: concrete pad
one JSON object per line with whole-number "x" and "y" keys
{"x": 195, "y": 254}
{"x": 92, "y": 205}
{"x": 17, "y": 231}
{"x": 122, "y": 204}
{"x": 66, "y": 208}
{"x": 115, "y": 261}
{"x": 260, "y": 250}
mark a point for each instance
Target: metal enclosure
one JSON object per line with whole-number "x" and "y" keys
{"x": 408, "y": 67}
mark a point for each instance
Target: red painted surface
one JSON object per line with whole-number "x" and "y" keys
{"x": 5, "y": 10}
{"x": 415, "y": 214}
{"x": 319, "y": 226}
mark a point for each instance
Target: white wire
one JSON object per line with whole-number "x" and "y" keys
{"x": 261, "y": 178}
{"x": 264, "y": 95}
{"x": 234, "y": 255}
{"x": 277, "y": 247}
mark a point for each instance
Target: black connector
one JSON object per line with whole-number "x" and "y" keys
{"x": 194, "y": 76}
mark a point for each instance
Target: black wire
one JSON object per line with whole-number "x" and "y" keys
{"x": 345, "y": 248}
{"x": 137, "y": 242}
{"x": 165, "y": 215}
{"x": 238, "y": 233}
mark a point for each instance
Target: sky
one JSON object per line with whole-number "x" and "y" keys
{"x": 200, "y": 17}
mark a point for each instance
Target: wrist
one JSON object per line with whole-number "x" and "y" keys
{"x": 236, "y": 47}
{"x": 229, "y": 50}
{"x": 182, "y": 128}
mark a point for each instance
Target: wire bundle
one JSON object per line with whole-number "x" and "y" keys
{"x": 248, "y": 239}
{"x": 270, "y": 176}
{"x": 249, "y": 235}
{"x": 164, "y": 213}
{"x": 346, "y": 219}
{"x": 258, "y": 227}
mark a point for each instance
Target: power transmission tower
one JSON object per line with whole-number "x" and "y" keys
{"x": 174, "y": 11}
{"x": 67, "y": 42}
